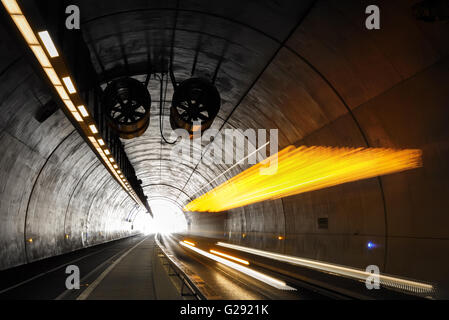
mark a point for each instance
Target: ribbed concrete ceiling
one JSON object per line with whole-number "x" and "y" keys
{"x": 310, "y": 76}
{"x": 235, "y": 39}
{"x": 321, "y": 80}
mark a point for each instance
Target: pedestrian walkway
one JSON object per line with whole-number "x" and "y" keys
{"x": 135, "y": 275}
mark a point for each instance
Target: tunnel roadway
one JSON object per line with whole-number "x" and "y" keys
{"x": 130, "y": 269}
{"x": 125, "y": 269}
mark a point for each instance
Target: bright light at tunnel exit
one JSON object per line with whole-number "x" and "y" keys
{"x": 168, "y": 217}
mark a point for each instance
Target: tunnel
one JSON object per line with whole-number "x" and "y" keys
{"x": 153, "y": 203}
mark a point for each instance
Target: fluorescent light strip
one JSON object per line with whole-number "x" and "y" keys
{"x": 250, "y": 272}
{"x": 126, "y": 184}
{"x": 93, "y": 129}
{"x": 408, "y": 285}
{"x": 41, "y": 56}
{"x": 27, "y": 32}
{"x": 77, "y": 116}
{"x": 51, "y": 73}
{"x": 92, "y": 139}
{"x": 97, "y": 147}
{"x": 83, "y": 111}
{"x": 48, "y": 43}
{"x": 12, "y": 7}
{"x": 107, "y": 152}
{"x": 70, "y": 106}
{"x": 62, "y": 93}
{"x": 25, "y": 29}
{"x": 69, "y": 85}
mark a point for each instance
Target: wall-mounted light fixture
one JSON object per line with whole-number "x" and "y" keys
{"x": 59, "y": 76}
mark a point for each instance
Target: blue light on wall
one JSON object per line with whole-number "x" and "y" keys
{"x": 371, "y": 245}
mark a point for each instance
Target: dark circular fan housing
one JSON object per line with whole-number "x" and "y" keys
{"x": 195, "y": 100}
{"x": 127, "y": 103}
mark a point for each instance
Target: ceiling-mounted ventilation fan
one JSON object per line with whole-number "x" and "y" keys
{"x": 195, "y": 105}
{"x": 127, "y": 103}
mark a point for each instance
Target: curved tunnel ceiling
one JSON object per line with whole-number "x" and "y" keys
{"x": 228, "y": 41}
{"x": 278, "y": 68}
{"x": 307, "y": 68}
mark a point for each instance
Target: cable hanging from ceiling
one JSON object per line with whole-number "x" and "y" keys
{"x": 162, "y": 98}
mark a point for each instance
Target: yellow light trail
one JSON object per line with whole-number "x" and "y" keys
{"x": 281, "y": 285}
{"x": 387, "y": 280}
{"x": 189, "y": 243}
{"x": 229, "y": 257}
{"x": 302, "y": 170}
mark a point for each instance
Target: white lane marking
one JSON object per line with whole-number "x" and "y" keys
{"x": 83, "y": 279}
{"x": 49, "y": 271}
{"x": 88, "y": 291}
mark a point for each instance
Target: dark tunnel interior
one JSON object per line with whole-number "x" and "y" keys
{"x": 310, "y": 69}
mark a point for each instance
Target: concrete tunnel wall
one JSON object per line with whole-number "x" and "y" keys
{"x": 51, "y": 183}
{"x": 331, "y": 83}
{"x": 334, "y": 84}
